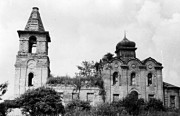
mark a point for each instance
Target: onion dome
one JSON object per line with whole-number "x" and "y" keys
{"x": 126, "y": 49}
{"x": 125, "y": 43}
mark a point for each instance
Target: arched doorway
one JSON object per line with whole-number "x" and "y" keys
{"x": 134, "y": 94}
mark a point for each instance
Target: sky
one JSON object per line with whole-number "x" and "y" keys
{"x": 87, "y": 29}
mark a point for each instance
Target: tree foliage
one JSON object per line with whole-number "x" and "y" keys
{"x": 65, "y": 80}
{"x": 77, "y": 106}
{"x": 3, "y": 89}
{"x": 107, "y": 57}
{"x": 86, "y": 69}
{"x": 132, "y": 104}
{"x": 41, "y": 101}
{"x": 3, "y": 108}
{"x": 155, "y": 105}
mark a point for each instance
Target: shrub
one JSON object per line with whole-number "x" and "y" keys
{"x": 79, "y": 105}
{"x": 41, "y": 101}
{"x": 155, "y": 105}
{"x": 132, "y": 104}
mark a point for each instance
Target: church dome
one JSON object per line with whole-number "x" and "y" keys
{"x": 125, "y": 43}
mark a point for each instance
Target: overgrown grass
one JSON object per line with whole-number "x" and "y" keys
{"x": 93, "y": 112}
{"x": 91, "y": 81}
{"x": 124, "y": 107}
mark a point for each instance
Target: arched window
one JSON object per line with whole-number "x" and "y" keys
{"x": 133, "y": 81}
{"x": 32, "y": 44}
{"x": 30, "y": 78}
{"x": 115, "y": 78}
{"x": 149, "y": 79}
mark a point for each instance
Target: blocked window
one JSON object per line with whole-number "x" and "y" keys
{"x": 120, "y": 80}
{"x": 115, "y": 78}
{"x": 32, "y": 44}
{"x": 149, "y": 79}
{"x": 75, "y": 96}
{"x": 133, "y": 81}
{"x": 115, "y": 97}
{"x": 90, "y": 97}
{"x": 172, "y": 101}
{"x": 150, "y": 96}
{"x": 30, "y": 79}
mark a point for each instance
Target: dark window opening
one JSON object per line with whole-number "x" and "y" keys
{"x": 149, "y": 79}
{"x": 115, "y": 97}
{"x": 32, "y": 44}
{"x": 30, "y": 77}
{"x": 134, "y": 94}
{"x": 115, "y": 78}
{"x": 172, "y": 101}
{"x": 133, "y": 82}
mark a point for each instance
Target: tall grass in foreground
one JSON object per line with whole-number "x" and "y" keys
{"x": 92, "y": 113}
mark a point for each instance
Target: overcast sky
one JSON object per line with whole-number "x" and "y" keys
{"x": 87, "y": 29}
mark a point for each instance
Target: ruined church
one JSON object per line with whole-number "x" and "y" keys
{"x": 122, "y": 75}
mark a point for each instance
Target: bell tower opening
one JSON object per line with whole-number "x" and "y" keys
{"x": 32, "y": 44}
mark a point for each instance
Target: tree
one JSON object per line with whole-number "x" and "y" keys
{"x": 3, "y": 89}
{"x": 107, "y": 57}
{"x": 41, "y": 101}
{"x": 78, "y": 84}
{"x": 155, "y": 105}
{"x": 86, "y": 69}
{"x": 3, "y": 108}
{"x": 132, "y": 104}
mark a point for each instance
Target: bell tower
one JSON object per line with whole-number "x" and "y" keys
{"x": 32, "y": 67}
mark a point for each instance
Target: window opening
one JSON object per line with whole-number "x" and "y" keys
{"x": 150, "y": 96}
{"x": 30, "y": 78}
{"x": 32, "y": 44}
{"x": 115, "y": 97}
{"x": 90, "y": 97}
{"x": 149, "y": 79}
{"x": 115, "y": 78}
{"x": 133, "y": 75}
{"x": 74, "y": 96}
{"x": 172, "y": 101}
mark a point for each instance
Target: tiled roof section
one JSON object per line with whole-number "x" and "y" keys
{"x": 167, "y": 85}
{"x": 34, "y": 23}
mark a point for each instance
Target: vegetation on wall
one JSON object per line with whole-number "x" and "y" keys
{"x": 86, "y": 77}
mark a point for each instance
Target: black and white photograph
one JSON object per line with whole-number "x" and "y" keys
{"x": 90, "y": 57}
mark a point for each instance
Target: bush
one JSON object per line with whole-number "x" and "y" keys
{"x": 41, "y": 101}
{"x": 132, "y": 104}
{"x": 155, "y": 105}
{"x": 77, "y": 105}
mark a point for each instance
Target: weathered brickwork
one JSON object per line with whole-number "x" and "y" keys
{"x": 68, "y": 91}
{"x": 122, "y": 74}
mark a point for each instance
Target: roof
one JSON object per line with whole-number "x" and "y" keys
{"x": 34, "y": 23}
{"x": 167, "y": 85}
